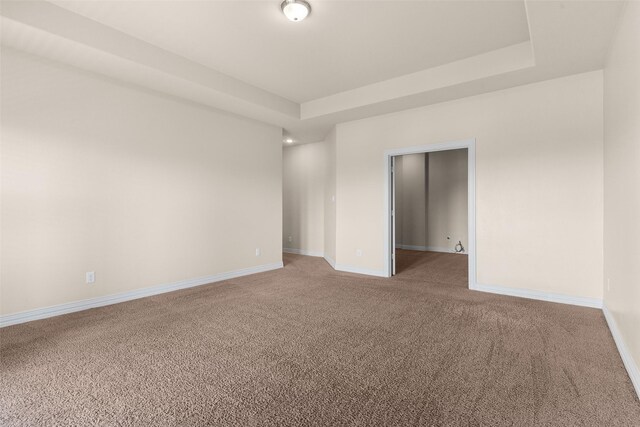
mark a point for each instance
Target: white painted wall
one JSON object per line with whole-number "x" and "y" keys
{"x": 539, "y": 182}
{"x": 138, "y": 187}
{"x": 304, "y": 175}
{"x": 622, "y": 183}
{"x": 309, "y": 198}
{"x": 330, "y": 198}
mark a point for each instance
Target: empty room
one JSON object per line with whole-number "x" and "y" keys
{"x": 429, "y": 215}
{"x": 320, "y": 212}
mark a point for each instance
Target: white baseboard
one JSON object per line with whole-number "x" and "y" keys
{"x": 429, "y": 249}
{"x": 539, "y": 295}
{"x": 57, "y": 310}
{"x": 627, "y": 359}
{"x": 359, "y": 270}
{"x": 302, "y": 252}
{"x": 330, "y": 260}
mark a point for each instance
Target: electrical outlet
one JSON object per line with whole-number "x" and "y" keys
{"x": 290, "y": 239}
{"x": 257, "y": 251}
{"x": 358, "y": 252}
{"x": 90, "y": 277}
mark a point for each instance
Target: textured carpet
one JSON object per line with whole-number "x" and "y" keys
{"x": 433, "y": 267}
{"x": 305, "y": 345}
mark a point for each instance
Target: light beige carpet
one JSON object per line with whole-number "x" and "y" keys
{"x": 309, "y": 346}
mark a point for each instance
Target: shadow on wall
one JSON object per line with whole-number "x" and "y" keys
{"x": 303, "y": 188}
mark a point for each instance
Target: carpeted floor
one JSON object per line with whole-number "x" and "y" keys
{"x": 305, "y": 345}
{"x": 433, "y": 267}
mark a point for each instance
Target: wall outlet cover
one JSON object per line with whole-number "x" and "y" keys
{"x": 90, "y": 277}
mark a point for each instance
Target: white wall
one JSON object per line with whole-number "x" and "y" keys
{"x": 140, "y": 188}
{"x": 622, "y": 182}
{"x": 538, "y": 182}
{"x": 309, "y": 198}
{"x": 304, "y": 175}
{"x": 330, "y": 198}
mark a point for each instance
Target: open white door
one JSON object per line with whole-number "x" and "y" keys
{"x": 393, "y": 215}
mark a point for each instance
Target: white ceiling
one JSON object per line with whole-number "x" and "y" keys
{"x": 348, "y": 60}
{"x": 341, "y": 46}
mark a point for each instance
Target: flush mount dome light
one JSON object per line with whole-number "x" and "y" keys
{"x": 295, "y": 10}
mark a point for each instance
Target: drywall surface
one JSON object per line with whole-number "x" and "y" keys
{"x": 447, "y": 199}
{"x": 139, "y": 188}
{"x": 399, "y": 200}
{"x": 303, "y": 198}
{"x": 330, "y": 198}
{"x": 622, "y": 180}
{"x": 411, "y": 205}
{"x": 538, "y": 182}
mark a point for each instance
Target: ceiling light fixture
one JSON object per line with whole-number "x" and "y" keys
{"x": 289, "y": 141}
{"x": 295, "y": 10}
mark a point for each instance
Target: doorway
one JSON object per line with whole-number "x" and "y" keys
{"x": 430, "y": 201}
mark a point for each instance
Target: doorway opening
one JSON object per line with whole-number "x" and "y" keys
{"x": 430, "y": 210}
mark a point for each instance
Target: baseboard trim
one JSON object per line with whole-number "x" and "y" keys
{"x": 429, "y": 249}
{"x": 359, "y": 270}
{"x": 330, "y": 260}
{"x": 627, "y": 359}
{"x": 538, "y": 295}
{"x": 303, "y": 252}
{"x": 57, "y": 310}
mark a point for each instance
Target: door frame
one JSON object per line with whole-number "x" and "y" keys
{"x": 470, "y": 145}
